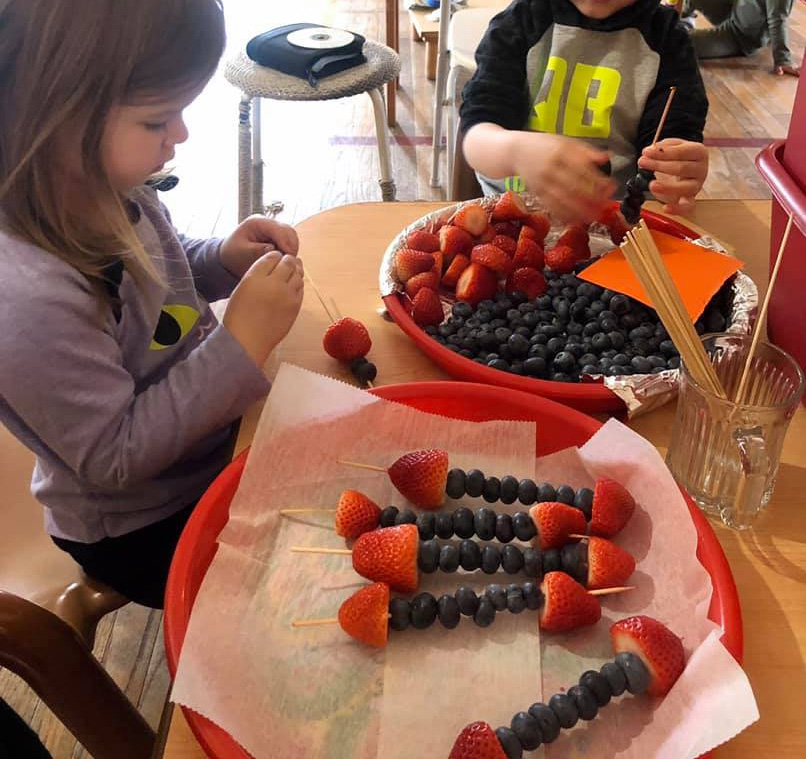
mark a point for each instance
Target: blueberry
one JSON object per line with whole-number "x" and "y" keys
{"x": 597, "y": 684}
{"x": 523, "y": 525}
{"x": 490, "y": 559}
{"x": 597, "y": 307}
{"x": 425, "y": 525}
{"x": 571, "y": 561}
{"x": 641, "y": 365}
{"x": 565, "y": 708}
{"x": 388, "y": 516}
{"x": 487, "y": 341}
{"x": 617, "y": 339}
{"x": 535, "y": 366}
{"x": 616, "y": 371}
{"x": 516, "y": 603}
{"x": 498, "y": 595}
{"x": 619, "y": 304}
{"x": 667, "y": 348}
{"x": 484, "y": 520}
{"x": 511, "y": 559}
{"x": 502, "y": 334}
{"x": 551, "y": 561}
{"x": 543, "y": 303}
{"x": 509, "y": 743}
{"x": 564, "y": 362}
{"x": 467, "y": 601}
{"x": 428, "y": 556}
{"x": 566, "y": 494}
{"x": 504, "y": 533}
{"x": 449, "y": 558}
{"x": 504, "y": 300}
{"x": 443, "y": 524}
{"x": 466, "y": 353}
{"x": 492, "y": 489}
{"x": 547, "y": 719}
{"x": 587, "y": 359}
{"x": 469, "y": 555}
{"x": 673, "y": 362}
{"x": 448, "y": 611}
{"x": 545, "y": 492}
{"x": 608, "y": 324}
{"x": 621, "y": 359}
{"x": 616, "y": 679}
{"x": 601, "y": 342}
{"x": 399, "y": 609}
{"x": 485, "y": 612}
{"x": 532, "y": 562}
{"x": 484, "y": 316}
{"x": 526, "y": 727}
{"x": 500, "y": 364}
{"x": 715, "y": 322}
{"x": 527, "y": 495}
{"x": 532, "y": 595}
{"x": 635, "y": 671}
{"x": 513, "y": 314}
{"x": 561, "y": 377}
{"x": 657, "y": 362}
{"x": 590, "y": 369}
{"x": 407, "y": 516}
{"x": 455, "y": 484}
{"x": 474, "y": 483}
{"x": 584, "y": 502}
{"x": 585, "y": 702}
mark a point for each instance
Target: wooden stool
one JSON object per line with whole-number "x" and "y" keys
{"x": 256, "y": 82}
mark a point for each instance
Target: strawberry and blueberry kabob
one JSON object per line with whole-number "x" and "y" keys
{"x": 649, "y": 660}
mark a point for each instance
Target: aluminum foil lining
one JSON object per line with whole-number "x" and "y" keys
{"x": 639, "y": 392}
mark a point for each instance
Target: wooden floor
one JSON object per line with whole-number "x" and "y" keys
{"x": 319, "y": 155}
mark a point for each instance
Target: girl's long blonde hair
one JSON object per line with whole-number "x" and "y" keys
{"x": 64, "y": 64}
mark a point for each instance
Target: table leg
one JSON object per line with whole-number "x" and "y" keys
{"x": 388, "y": 190}
{"x": 393, "y": 41}
{"x": 244, "y": 158}
{"x": 431, "y": 54}
{"x": 257, "y": 160}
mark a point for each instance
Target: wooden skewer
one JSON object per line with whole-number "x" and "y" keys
{"x": 289, "y": 512}
{"x": 610, "y": 591}
{"x": 762, "y": 315}
{"x": 314, "y": 622}
{"x": 672, "y": 91}
{"x": 321, "y": 299}
{"x": 358, "y": 465}
{"x": 337, "y": 551}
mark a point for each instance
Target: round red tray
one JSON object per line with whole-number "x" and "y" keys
{"x": 585, "y": 396}
{"x": 457, "y": 400}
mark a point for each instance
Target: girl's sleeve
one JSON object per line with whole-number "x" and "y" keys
{"x": 212, "y": 279}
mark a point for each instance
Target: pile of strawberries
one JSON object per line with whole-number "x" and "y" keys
{"x": 478, "y": 251}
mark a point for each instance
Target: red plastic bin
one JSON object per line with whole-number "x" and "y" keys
{"x": 782, "y": 164}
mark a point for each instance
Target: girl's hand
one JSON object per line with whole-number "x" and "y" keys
{"x": 680, "y": 168}
{"x": 254, "y": 237}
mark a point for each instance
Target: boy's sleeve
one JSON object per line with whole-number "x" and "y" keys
{"x": 498, "y": 92}
{"x": 678, "y": 68}
{"x": 777, "y": 23}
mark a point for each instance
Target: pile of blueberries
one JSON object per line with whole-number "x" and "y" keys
{"x": 576, "y": 328}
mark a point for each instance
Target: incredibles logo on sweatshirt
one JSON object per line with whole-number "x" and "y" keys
{"x": 174, "y": 324}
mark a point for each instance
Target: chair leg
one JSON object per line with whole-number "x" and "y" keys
{"x": 388, "y": 189}
{"x": 244, "y": 158}
{"x": 443, "y": 64}
{"x": 50, "y": 656}
{"x": 451, "y": 127}
{"x": 393, "y": 41}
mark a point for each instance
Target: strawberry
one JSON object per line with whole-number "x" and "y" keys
{"x": 540, "y": 224}
{"x": 527, "y": 233}
{"x": 454, "y": 270}
{"x": 356, "y": 514}
{"x": 528, "y": 281}
{"x": 555, "y": 522}
{"x": 439, "y": 258}
{"x": 507, "y": 228}
{"x": 346, "y": 339}
{"x": 568, "y": 605}
{"x": 613, "y": 219}
{"x": 420, "y": 476}
{"x": 510, "y": 207}
{"x": 422, "y": 240}
{"x": 409, "y": 262}
{"x": 487, "y": 235}
{"x": 656, "y": 646}
{"x": 472, "y": 218}
{"x": 427, "y": 279}
{"x": 561, "y": 259}
{"x": 576, "y": 238}
{"x": 608, "y": 565}
{"x": 476, "y": 284}
{"x": 612, "y": 508}
{"x": 492, "y": 257}
{"x": 389, "y": 555}
{"x": 454, "y": 241}
{"x": 365, "y": 615}
{"x": 507, "y": 244}
{"x": 477, "y": 741}
{"x": 426, "y": 308}
{"x": 528, "y": 254}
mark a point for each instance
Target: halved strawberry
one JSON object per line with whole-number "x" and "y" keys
{"x": 356, "y": 514}
{"x": 454, "y": 241}
{"x": 454, "y": 270}
{"x": 472, "y": 218}
{"x": 510, "y": 207}
{"x": 555, "y": 522}
{"x": 528, "y": 281}
{"x": 612, "y": 508}
{"x": 608, "y": 565}
{"x": 540, "y": 224}
{"x": 476, "y": 283}
{"x": 422, "y": 240}
{"x": 568, "y": 605}
{"x": 427, "y": 279}
{"x": 655, "y": 645}
{"x": 576, "y": 238}
{"x": 492, "y": 257}
{"x": 420, "y": 476}
{"x": 409, "y": 262}
{"x": 487, "y": 235}
{"x": 426, "y": 308}
{"x": 561, "y": 259}
{"x": 527, "y": 233}
{"x": 528, "y": 254}
{"x": 507, "y": 244}
{"x": 507, "y": 228}
{"x": 346, "y": 339}
{"x": 615, "y": 222}
{"x": 389, "y": 555}
{"x": 439, "y": 258}
{"x": 477, "y": 741}
{"x": 365, "y": 615}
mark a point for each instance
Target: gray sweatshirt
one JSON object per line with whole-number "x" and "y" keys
{"x": 129, "y": 418}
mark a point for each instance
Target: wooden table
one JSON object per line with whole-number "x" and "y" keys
{"x": 342, "y": 248}
{"x": 426, "y": 30}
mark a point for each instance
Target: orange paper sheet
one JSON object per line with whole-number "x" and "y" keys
{"x": 698, "y": 272}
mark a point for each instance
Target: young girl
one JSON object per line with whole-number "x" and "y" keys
{"x": 114, "y": 371}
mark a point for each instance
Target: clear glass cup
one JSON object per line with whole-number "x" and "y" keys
{"x": 726, "y": 454}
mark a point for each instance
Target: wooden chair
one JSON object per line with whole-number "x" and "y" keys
{"x": 49, "y": 611}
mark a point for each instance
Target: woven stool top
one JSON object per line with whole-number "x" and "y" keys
{"x": 383, "y": 65}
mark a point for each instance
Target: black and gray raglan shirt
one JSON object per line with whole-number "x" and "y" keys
{"x": 543, "y": 66}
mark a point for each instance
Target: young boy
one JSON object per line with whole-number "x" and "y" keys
{"x": 563, "y": 86}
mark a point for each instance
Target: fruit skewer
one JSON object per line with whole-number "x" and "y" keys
{"x": 396, "y": 556}
{"x": 649, "y": 659}
{"x": 368, "y": 614}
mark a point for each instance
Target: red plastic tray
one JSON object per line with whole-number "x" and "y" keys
{"x": 459, "y": 400}
{"x": 585, "y": 396}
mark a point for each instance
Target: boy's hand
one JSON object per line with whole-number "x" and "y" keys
{"x": 790, "y": 70}
{"x": 680, "y": 168}
{"x": 564, "y": 174}
{"x": 254, "y": 237}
